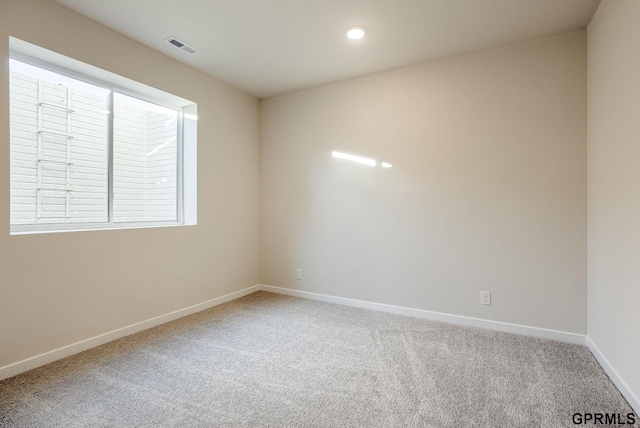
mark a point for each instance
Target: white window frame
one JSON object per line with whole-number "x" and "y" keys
{"x": 186, "y": 212}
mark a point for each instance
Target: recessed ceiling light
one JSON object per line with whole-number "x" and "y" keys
{"x": 355, "y": 32}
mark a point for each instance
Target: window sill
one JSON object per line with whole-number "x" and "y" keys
{"x": 88, "y": 227}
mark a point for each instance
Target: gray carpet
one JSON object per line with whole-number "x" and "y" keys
{"x": 277, "y": 361}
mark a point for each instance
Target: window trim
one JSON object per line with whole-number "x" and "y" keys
{"x": 182, "y": 218}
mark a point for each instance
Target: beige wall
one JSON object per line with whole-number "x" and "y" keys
{"x": 57, "y": 289}
{"x": 614, "y": 183}
{"x": 487, "y": 189}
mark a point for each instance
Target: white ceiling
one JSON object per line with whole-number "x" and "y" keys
{"x": 269, "y": 47}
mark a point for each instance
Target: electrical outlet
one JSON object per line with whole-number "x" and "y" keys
{"x": 485, "y": 298}
{"x": 298, "y": 273}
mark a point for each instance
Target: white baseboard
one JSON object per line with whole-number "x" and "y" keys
{"x": 57, "y": 354}
{"x": 614, "y": 376}
{"x": 562, "y": 336}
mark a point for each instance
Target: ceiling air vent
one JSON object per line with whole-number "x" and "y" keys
{"x": 181, "y": 45}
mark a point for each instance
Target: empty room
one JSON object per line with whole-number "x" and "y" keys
{"x": 319, "y": 213}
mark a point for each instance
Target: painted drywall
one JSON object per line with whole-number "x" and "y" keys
{"x": 613, "y": 181}
{"x": 58, "y": 289}
{"x": 487, "y": 190}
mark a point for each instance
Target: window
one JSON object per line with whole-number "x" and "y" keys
{"x": 145, "y": 161}
{"x": 87, "y": 154}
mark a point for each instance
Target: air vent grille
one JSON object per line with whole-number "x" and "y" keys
{"x": 181, "y": 45}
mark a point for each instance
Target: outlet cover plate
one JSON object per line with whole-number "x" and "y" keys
{"x": 485, "y": 298}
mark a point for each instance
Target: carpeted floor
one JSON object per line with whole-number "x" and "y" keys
{"x": 268, "y": 360}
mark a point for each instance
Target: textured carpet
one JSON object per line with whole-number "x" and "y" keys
{"x": 278, "y": 361}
